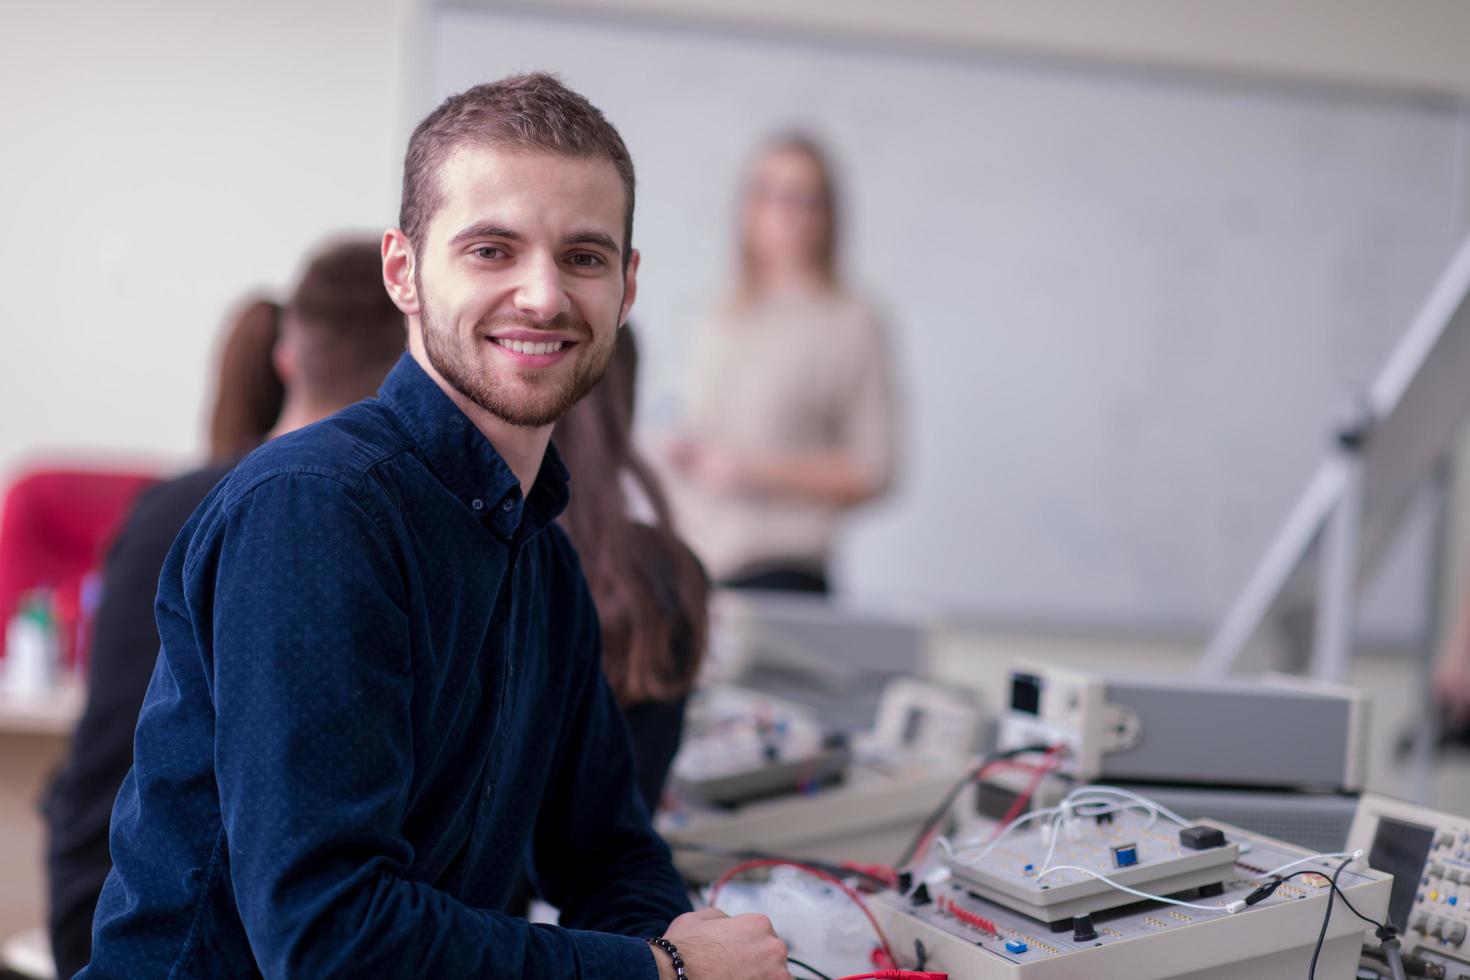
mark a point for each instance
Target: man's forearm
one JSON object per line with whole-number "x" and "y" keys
{"x": 396, "y": 923}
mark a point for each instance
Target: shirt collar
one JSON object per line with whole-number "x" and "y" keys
{"x": 464, "y": 460}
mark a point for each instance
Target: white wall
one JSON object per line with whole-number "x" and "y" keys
{"x": 1236, "y": 258}
{"x": 163, "y": 157}
{"x": 160, "y": 159}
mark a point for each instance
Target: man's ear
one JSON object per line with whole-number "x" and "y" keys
{"x": 630, "y": 286}
{"x": 398, "y": 271}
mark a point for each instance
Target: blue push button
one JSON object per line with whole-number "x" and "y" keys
{"x": 1016, "y": 946}
{"x": 1454, "y": 900}
{"x": 1125, "y": 855}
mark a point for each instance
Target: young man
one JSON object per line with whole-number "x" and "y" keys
{"x": 378, "y": 696}
{"x": 340, "y": 335}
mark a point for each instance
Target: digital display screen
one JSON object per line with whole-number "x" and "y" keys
{"x": 1401, "y": 850}
{"x": 1026, "y": 693}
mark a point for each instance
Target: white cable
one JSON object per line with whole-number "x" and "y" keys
{"x": 1306, "y": 860}
{"x": 1106, "y": 808}
{"x": 1024, "y": 818}
{"x": 1152, "y": 805}
{"x": 1006, "y": 830}
{"x": 1052, "y": 848}
{"x": 1073, "y": 801}
{"x": 1118, "y": 791}
{"x": 972, "y": 842}
{"x": 1076, "y": 800}
{"x": 1228, "y": 909}
{"x": 955, "y": 850}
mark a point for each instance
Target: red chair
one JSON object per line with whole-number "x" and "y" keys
{"x": 55, "y": 526}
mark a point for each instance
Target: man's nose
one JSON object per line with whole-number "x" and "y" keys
{"x": 539, "y": 291}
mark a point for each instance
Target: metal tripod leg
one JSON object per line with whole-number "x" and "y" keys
{"x": 1337, "y": 585}
{"x": 1420, "y": 766}
{"x": 1293, "y": 541}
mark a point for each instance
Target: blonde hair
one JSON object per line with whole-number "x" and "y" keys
{"x": 826, "y": 257}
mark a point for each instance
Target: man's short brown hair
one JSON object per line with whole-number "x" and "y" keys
{"x": 342, "y": 325}
{"x": 532, "y": 113}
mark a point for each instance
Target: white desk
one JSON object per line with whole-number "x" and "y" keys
{"x": 33, "y": 738}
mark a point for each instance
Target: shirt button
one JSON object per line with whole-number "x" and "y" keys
{"x": 508, "y": 506}
{"x": 478, "y": 504}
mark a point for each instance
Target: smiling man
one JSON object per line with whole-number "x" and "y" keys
{"x": 379, "y": 696}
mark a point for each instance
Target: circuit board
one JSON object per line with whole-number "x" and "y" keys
{"x": 742, "y": 747}
{"x": 978, "y": 939}
{"x": 1130, "y": 848}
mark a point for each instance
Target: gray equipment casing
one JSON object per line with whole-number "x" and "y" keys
{"x": 1279, "y": 732}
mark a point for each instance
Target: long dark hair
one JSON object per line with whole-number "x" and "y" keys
{"x": 650, "y": 590}
{"x": 248, "y": 394}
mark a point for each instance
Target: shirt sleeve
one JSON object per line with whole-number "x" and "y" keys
{"x": 597, "y": 858}
{"x": 124, "y": 647}
{"x": 311, "y": 682}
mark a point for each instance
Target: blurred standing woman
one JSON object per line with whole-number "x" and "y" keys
{"x": 790, "y": 403}
{"x": 649, "y": 589}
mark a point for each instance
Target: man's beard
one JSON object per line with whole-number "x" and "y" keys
{"x": 461, "y": 366}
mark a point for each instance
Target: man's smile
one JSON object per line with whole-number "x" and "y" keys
{"x": 532, "y": 349}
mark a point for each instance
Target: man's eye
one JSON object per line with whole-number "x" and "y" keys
{"x": 586, "y": 260}
{"x": 489, "y": 252}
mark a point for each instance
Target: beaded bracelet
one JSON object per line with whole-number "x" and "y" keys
{"x": 673, "y": 952}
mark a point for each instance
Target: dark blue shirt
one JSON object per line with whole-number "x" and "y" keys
{"x": 379, "y": 692}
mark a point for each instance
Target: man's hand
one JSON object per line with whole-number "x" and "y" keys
{"x": 716, "y": 946}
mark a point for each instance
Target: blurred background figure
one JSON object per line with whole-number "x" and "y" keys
{"x": 248, "y": 390}
{"x": 649, "y": 588}
{"x": 1452, "y": 672}
{"x": 279, "y": 369}
{"x": 790, "y": 413}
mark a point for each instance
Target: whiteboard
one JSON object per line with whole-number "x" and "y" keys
{"x": 1125, "y": 306}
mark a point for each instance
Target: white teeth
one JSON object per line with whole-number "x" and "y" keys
{"x": 526, "y": 347}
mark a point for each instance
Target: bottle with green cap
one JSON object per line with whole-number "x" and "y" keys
{"x": 31, "y": 646}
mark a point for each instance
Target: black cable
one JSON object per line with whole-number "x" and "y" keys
{"x": 938, "y": 813}
{"x": 1372, "y": 922}
{"x": 1322, "y": 935}
{"x": 1265, "y": 891}
{"x": 1386, "y": 933}
{"x": 818, "y": 974}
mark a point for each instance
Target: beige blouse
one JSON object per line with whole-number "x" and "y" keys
{"x": 799, "y": 372}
